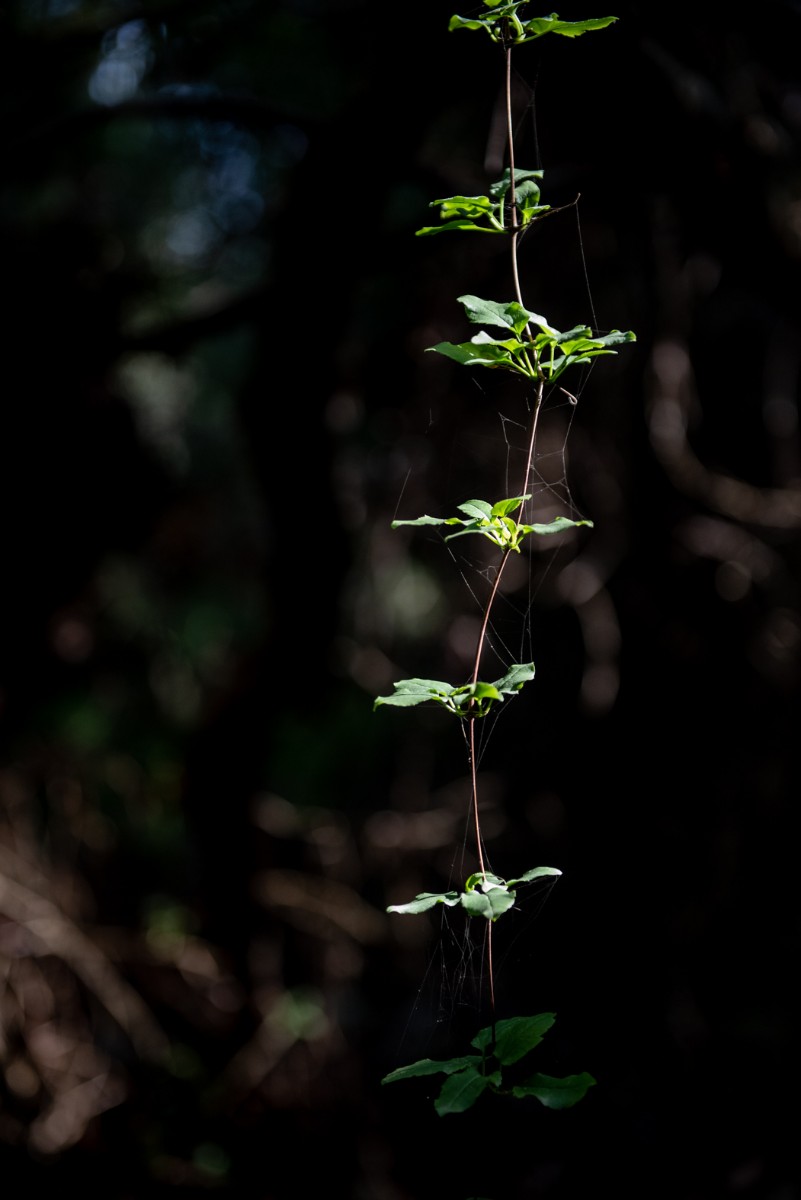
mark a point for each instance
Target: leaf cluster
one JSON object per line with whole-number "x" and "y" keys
{"x": 485, "y": 214}
{"x": 501, "y": 1046}
{"x": 484, "y": 895}
{"x": 505, "y": 26}
{"x": 494, "y": 521}
{"x": 470, "y": 700}
{"x": 540, "y": 353}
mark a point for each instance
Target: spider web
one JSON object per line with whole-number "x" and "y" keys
{"x": 453, "y": 995}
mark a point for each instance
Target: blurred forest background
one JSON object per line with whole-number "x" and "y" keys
{"x": 216, "y": 400}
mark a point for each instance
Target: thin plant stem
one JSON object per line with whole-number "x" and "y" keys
{"x": 482, "y": 637}
{"x": 481, "y": 865}
{"x": 491, "y": 976}
{"x": 512, "y": 194}
{"x": 532, "y": 441}
{"x": 510, "y": 136}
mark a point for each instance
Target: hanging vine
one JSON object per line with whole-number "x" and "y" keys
{"x": 529, "y": 347}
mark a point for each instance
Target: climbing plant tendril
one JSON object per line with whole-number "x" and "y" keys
{"x": 529, "y": 347}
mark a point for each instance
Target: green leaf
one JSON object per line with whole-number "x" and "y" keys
{"x": 515, "y": 677}
{"x": 428, "y": 1066}
{"x": 461, "y": 1091}
{"x": 538, "y": 26}
{"x": 427, "y": 230}
{"x": 409, "y": 692}
{"x": 534, "y": 873}
{"x": 556, "y": 1093}
{"x": 500, "y": 901}
{"x": 502, "y": 185}
{"x": 514, "y": 1037}
{"x": 489, "y": 312}
{"x": 484, "y": 880}
{"x": 478, "y": 213}
{"x": 480, "y": 354}
{"x": 487, "y": 896}
{"x": 581, "y": 348}
{"x": 575, "y": 332}
{"x": 476, "y": 904}
{"x": 548, "y": 332}
{"x": 424, "y": 521}
{"x": 578, "y": 345}
{"x": 476, "y": 508}
{"x": 617, "y": 338}
{"x": 464, "y": 206}
{"x": 557, "y": 525}
{"x": 425, "y": 900}
{"x": 526, "y": 190}
{"x": 502, "y": 508}
{"x": 513, "y": 344}
{"x": 457, "y": 22}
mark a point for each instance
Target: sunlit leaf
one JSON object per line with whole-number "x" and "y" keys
{"x": 476, "y": 354}
{"x": 484, "y": 880}
{"x": 557, "y": 525}
{"x": 503, "y": 507}
{"x": 476, "y": 508}
{"x": 490, "y": 312}
{"x": 538, "y": 26}
{"x": 425, "y": 900}
{"x": 617, "y": 338}
{"x": 476, "y": 904}
{"x": 534, "y": 873}
{"x": 500, "y": 901}
{"x": 460, "y": 225}
{"x": 515, "y": 677}
{"x": 425, "y": 521}
{"x": 465, "y": 206}
{"x": 409, "y": 692}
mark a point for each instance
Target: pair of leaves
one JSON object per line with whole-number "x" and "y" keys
{"x": 505, "y": 26}
{"x": 543, "y": 355}
{"x": 470, "y": 700}
{"x": 493, "y": 521}
{"x": 484, "y": 895}
{"x": 469, "y": 1076}
{"x": 485, "y": 214}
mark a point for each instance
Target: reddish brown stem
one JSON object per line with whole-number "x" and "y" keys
{"x": 491, "y": 981}
{"x": 481, "y": 865}
{"x": 482, "y": 637}
{"x": 512, "y": 192}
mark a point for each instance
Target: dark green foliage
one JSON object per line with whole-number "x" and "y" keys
{"x": 501, "y": 1045}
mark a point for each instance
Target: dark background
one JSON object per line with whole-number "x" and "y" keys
{"x": 215, "y": 401}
